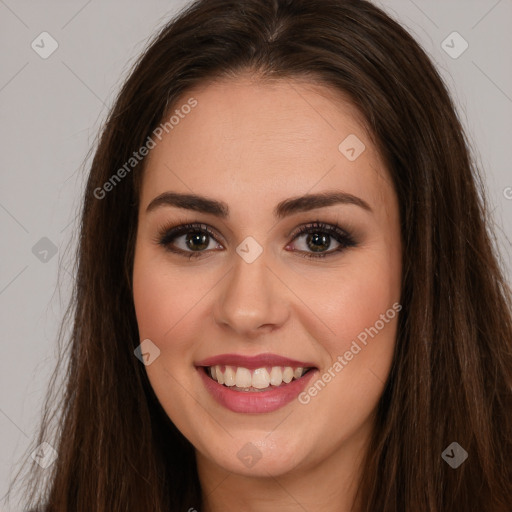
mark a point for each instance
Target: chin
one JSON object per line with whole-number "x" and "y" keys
{"x": 255, "y": 455}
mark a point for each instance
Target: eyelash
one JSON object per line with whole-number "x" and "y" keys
{"x": 168, "y": 234}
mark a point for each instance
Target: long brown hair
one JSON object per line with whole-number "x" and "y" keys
{"x": 451, "y": 379}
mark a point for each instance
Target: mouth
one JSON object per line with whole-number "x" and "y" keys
{"x": 255, "y": 380}
{"x": 254, "y": 384}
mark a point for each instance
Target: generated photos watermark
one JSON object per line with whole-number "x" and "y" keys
{"x": 454, "y": 455}
{"x": 138, "y": 156}
{"x": 249, "y": 455}
{"x": 147, "y": 352}
{"x": 344, "y": 359}
{"x": 45, "y": 455}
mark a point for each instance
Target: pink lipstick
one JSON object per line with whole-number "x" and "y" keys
{"x": 254, "y": 384}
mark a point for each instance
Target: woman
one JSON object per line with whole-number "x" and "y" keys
{"x": 287, "y": 296}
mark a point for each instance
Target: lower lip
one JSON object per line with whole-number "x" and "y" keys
{"x": 256, "y": 401}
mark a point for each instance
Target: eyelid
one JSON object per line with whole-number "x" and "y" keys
{"x": 321, "y": 226}
{"x": 342, "y": 236}
{"x": 179, "y": 228}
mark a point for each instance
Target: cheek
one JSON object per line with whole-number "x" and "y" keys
{"x": 166, "y": 305}
{"x": 360, "y": 307}
{"x": 354, "y": 298}
{"x": 154, "y": 299}
{"x": 164, "y": 298}
{"x": 361, "y": 314}
{"x": 171, "y": 306}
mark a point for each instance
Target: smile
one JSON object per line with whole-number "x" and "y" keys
{"x": 254, "y": 384}
{"x": 244, "y": 379}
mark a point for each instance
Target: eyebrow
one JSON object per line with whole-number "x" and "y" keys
{"x": 283, "y": 209}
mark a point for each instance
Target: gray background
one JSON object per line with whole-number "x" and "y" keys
{"x": 51, "y": 109}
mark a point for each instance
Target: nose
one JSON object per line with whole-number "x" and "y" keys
{"x": 252, "y": 299}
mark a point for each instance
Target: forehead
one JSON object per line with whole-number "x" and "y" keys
{"x": 279, "y": 139}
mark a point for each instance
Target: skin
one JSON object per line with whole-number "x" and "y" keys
{"x": 253, "y": 144}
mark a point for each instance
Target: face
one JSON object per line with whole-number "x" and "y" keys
{"x": 268, "y": 284}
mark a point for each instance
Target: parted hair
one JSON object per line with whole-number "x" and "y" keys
{"x": 451, "y": 376}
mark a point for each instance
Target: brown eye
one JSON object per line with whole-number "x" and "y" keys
{"x": 189, "y": 239}
{"x": 319, "y": 238}
{"x": 197, "y": 241}
{"x": 193, "y": 240}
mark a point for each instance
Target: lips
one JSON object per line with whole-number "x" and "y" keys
{"x": 253, "y": 362}
{"x": 260, "y": 383}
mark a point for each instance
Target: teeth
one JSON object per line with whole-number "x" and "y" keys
{"x": 219, "y": 376}
{"x": 260, "y": 378}
{"x": 243, "y": 378}
{"x": 229, "y": 376}
{"x": 288, "y": 374}
{"x": 276, "y": 376}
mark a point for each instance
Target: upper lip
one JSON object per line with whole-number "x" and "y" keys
{"x": 253, "y": 362}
